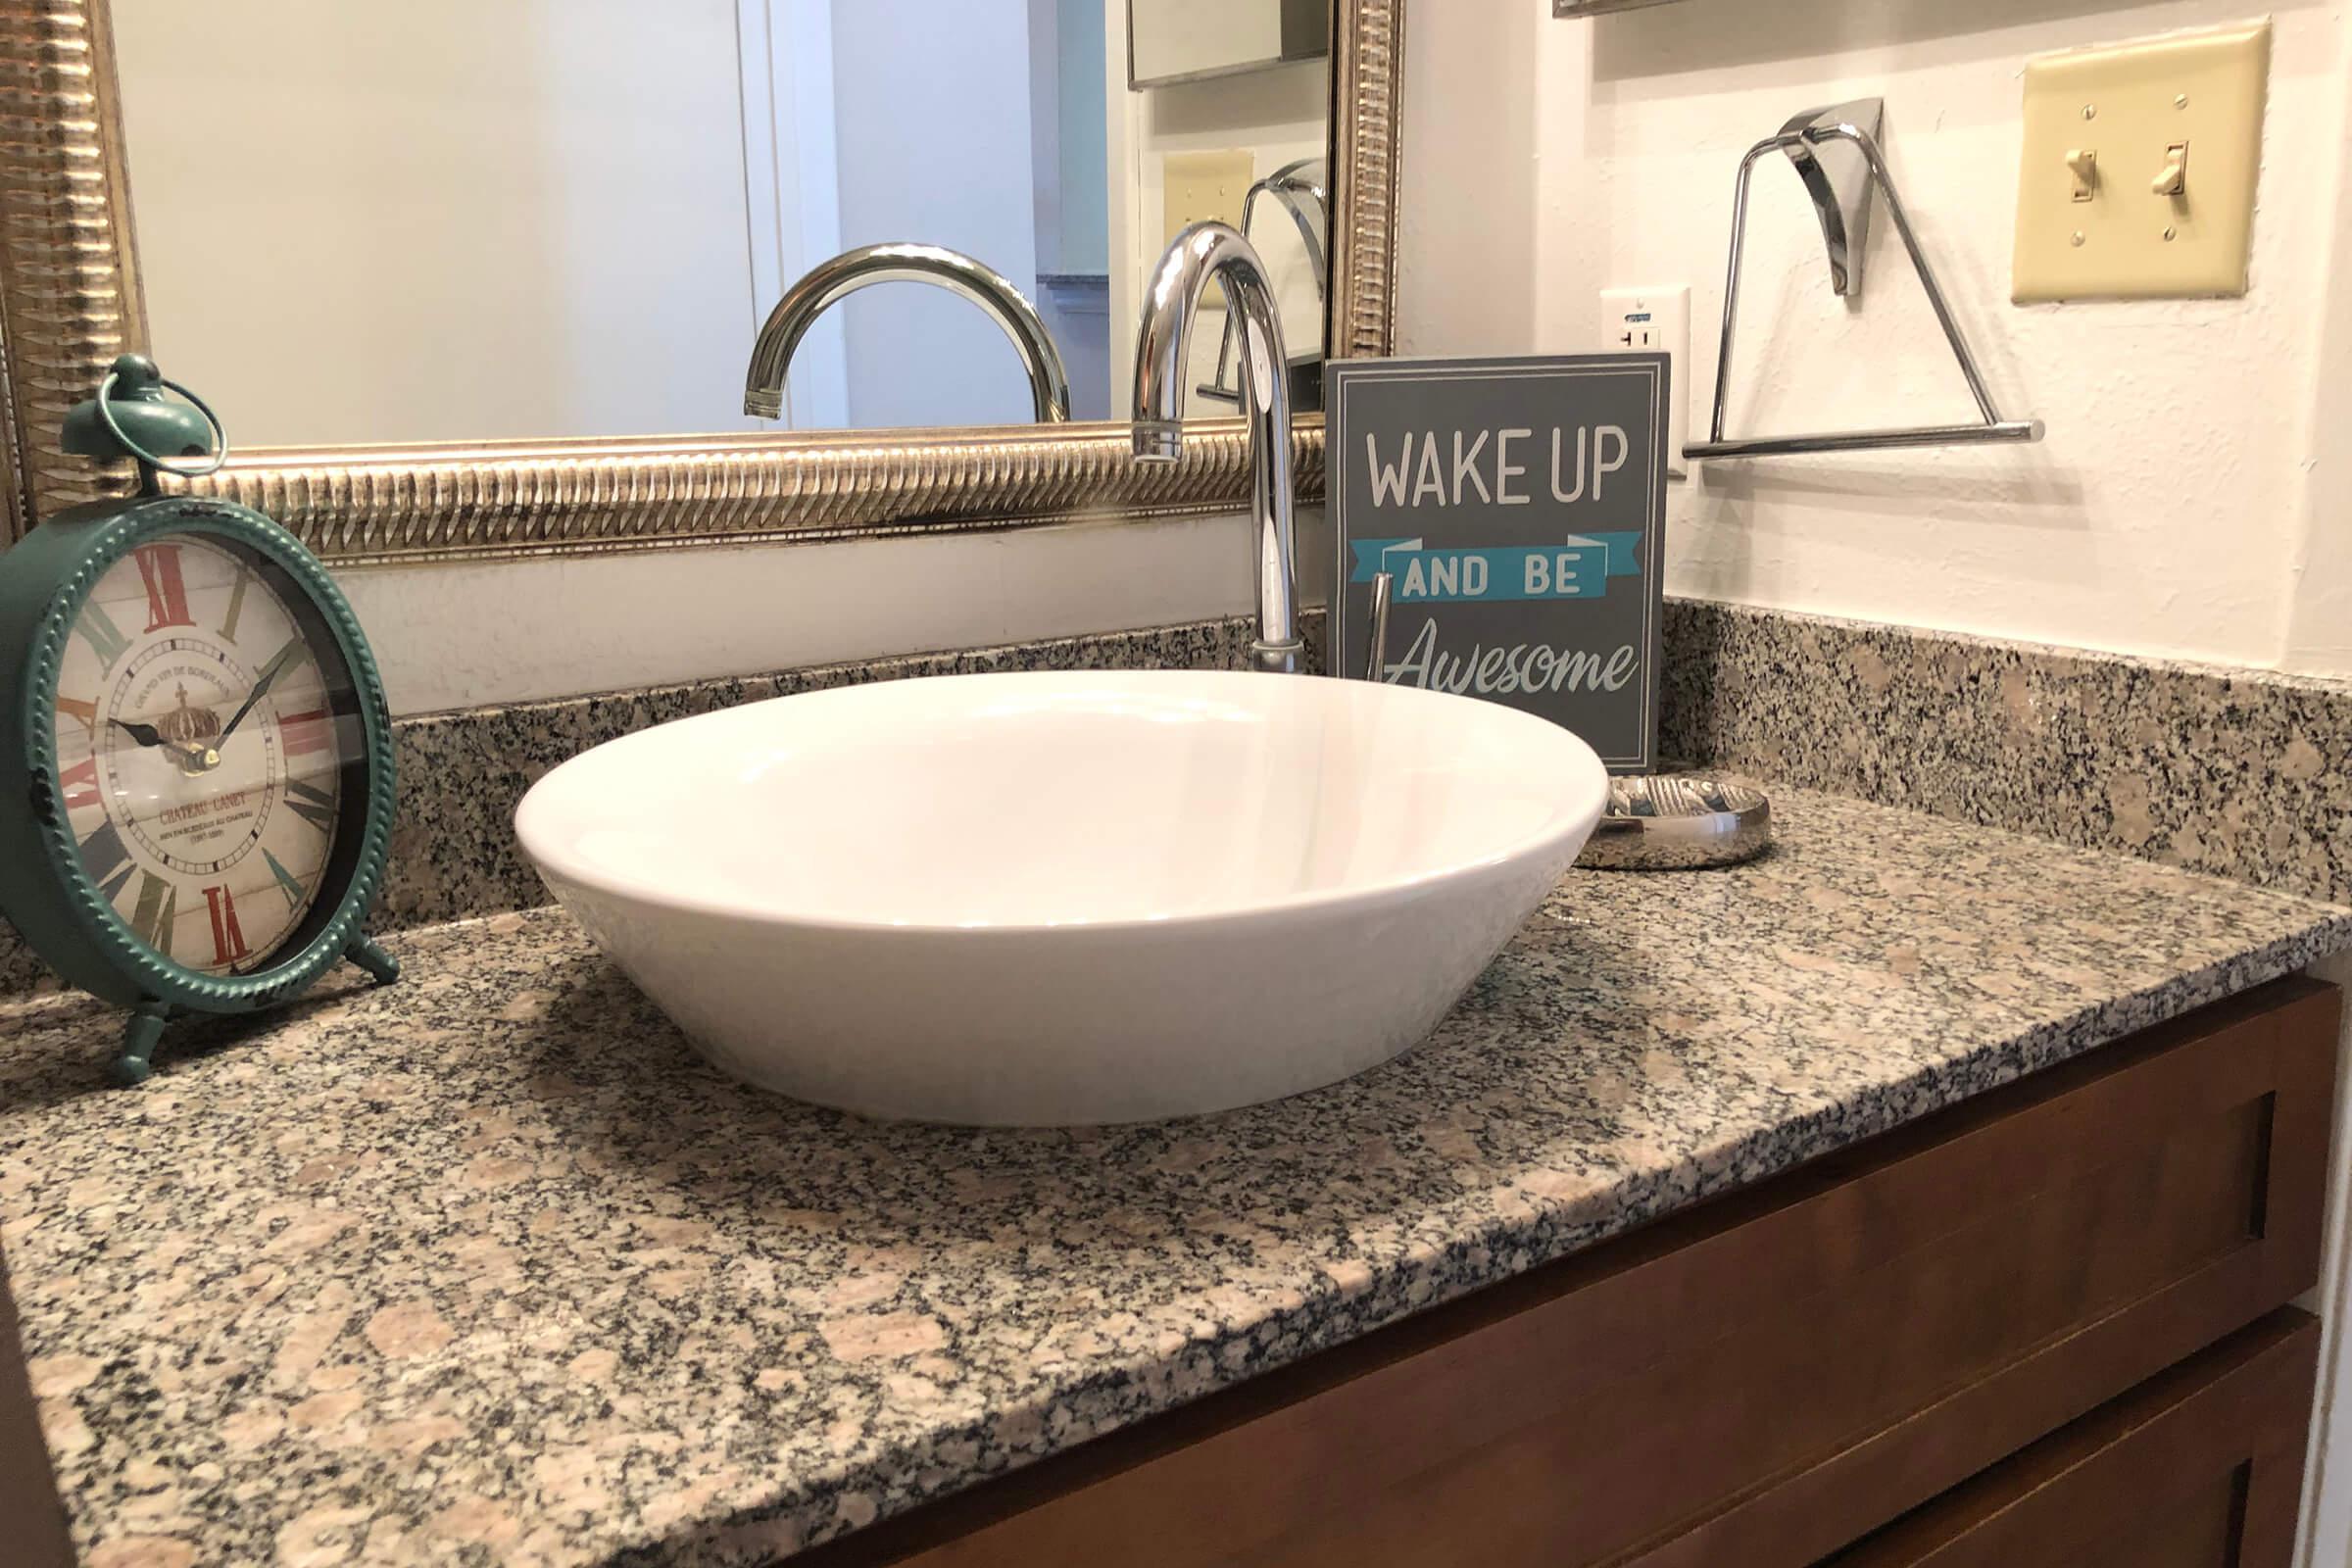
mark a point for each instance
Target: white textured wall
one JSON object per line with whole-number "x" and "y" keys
{"x": 2183, "y": 503}
{"x": 454, "y": 636}
{"x": 442, "y": 219}
{"x": 1469, "y": 163}
{"x": 2318, "y": 626}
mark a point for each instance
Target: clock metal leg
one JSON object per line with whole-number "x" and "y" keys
{"x": 375, "y": 959}
{"x": 139, "y": 1039}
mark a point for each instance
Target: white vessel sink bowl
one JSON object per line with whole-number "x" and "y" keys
{"x": 1065, "y": 898}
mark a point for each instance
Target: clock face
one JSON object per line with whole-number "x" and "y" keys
{"x": 209, "y": 749}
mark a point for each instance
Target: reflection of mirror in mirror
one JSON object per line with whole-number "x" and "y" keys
{"x": 522, "y": 219}
{"x": 1190, "y": 40}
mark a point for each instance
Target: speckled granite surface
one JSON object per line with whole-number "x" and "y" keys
{"x": 2240, "y": 773}
{"x": 487, "y": 1267}
{"x": 461, "y": 773}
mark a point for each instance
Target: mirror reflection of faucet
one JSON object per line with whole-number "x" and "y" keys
{"x": 1163, "y": 350}
{"x": 845, "y": 274}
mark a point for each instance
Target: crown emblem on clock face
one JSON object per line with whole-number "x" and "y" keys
{"x": 192, "y": 726}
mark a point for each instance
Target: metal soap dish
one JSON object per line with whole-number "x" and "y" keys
{"x": 1677, "y": 824}
{"x": 1835, "y": 151}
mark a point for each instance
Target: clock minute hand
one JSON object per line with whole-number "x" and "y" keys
{"x": 277, "y": 667}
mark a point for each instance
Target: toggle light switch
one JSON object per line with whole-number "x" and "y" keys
{"x": 2084, "y": 164}
{"x": 2158, "y": 231}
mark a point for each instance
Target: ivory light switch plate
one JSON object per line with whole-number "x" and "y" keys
{"x": 2139, "y": 167}
{"x": 1201, "y": 185}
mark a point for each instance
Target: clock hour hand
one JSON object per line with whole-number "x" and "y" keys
{"x": 189, "y": 753}
{"x": 144, "y": 734}
{"x": 276, "y": 669}
{"x": 148, "y": 735}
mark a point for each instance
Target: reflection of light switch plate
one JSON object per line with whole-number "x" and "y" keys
{"x": 2136, "y": 105}
{"x": 1196, "y": 187}
{"x": 1655, "y": 321}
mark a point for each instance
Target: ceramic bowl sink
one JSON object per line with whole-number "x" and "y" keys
{"x": 1065, "y": 898}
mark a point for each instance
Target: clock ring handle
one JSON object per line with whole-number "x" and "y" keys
{"x": 193, "y": 470}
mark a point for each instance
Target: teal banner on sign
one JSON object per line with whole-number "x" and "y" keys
{"x": 1516, "y": 507}
{"x": 1574, "y": 568}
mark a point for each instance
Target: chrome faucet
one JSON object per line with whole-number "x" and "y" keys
{"x": 845, "y": 274}
{"x": 1162, "y": 354}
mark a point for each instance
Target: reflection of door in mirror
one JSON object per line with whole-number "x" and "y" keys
{"x": 529, "y": 219}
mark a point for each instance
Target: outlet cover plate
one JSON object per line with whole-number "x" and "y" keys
{"x": 1655, "y": 321}
{"x": 1196, "y": 186}
{"x": 2204, "y": 89}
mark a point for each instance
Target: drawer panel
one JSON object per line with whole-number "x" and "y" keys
{"x": 2199, "y": 1467}
{"x": 1858, "y": 1355}
{"x": 1761, "y": 1380}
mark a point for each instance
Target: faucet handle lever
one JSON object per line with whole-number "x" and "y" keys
{"x": 1377, "y": 660}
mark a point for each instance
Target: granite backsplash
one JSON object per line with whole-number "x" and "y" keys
{"x": 2240, "y": 773}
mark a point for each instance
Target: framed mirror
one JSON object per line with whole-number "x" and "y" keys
{"x": 470, "y": 281}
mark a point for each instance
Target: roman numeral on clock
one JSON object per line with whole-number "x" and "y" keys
{"x": 105, "y": 638}
{"x": 237, "y": 605}
{"x": 287, "y": 882}
{"x": 151, "y": 916}
{"x": 80, "y": 784}
{"x": 304, "y": 734}
{"x": 85, "y": 712}
{"x": 105, "y": 862}
{"x": 314, "y": 806}
{"x": 167, "y": 593}
{"x": 228, "y": 943}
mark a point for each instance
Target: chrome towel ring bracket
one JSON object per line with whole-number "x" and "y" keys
{"x": 1835, "y": 151}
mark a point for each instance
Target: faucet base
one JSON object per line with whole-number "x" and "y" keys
{"x": 1279, "y": 659}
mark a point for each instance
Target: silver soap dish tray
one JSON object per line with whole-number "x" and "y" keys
{"x": 1677, "y": 824}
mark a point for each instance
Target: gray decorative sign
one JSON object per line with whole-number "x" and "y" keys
{"x": 1518, "y": 508}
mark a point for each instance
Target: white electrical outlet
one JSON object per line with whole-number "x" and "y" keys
{"x": 1655, "y": 321}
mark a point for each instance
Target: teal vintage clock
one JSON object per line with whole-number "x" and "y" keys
{"x": 199, "y": 753}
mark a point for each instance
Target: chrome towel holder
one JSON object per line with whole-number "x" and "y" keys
{"x": 1835, "y": 151}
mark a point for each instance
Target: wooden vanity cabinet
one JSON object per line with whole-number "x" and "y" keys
{"x": 2043, "y": 1326}
{"x": 2199, "y": 1467}
{"x": 30, "y": 1512}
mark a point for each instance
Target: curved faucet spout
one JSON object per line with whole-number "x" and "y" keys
{"x": 1162, "y": 356}
{"x": 845, "y": 274}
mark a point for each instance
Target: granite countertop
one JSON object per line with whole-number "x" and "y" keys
{"x": 487, "y": 1266}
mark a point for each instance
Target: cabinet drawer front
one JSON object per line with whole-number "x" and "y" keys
{"x": 2199, "y": 1467}
{"x": 1763, "y": 1379}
